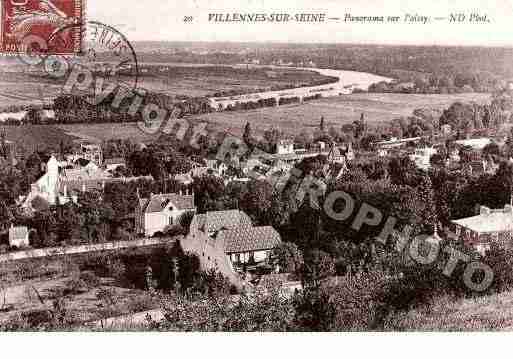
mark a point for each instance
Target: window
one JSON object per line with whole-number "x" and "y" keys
{"x": 170, "y": 221}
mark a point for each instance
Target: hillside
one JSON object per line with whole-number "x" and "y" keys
{"x": 36, "y": 137}
{"x": 494, "y": 312}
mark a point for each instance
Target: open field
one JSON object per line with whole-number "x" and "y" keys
{"x": 493, "y": 312}
{"x": 92, "y": 286}
{"x": 20, "y": 88}
{"x": 98, "y": 132}
{"x": 207, "y": 80}
{"x": 36, "y": 137}
{"x": 337, "y": 111}
{"x": 291, "y": 119}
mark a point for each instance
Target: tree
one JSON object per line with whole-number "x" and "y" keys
{"x": 491, "y": 150}
{"x": 256, "y": 201}
{"x": 322, "y": 127}
{"x": 318, "y": 266}
{"x": 208, "y": 193}
{"x": 436, "y": 160}
{"x": 289, "y": 257}
{"x": 315, "y": 310}
{"x": 248, "y": 135}
{"x": 368, "y": 140}
{"x": 425, "y": 206}
{"x": 262, "y": 311}
{"x": 95, "y": 217}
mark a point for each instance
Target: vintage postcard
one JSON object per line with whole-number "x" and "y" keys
{"x": 256, "y": 166}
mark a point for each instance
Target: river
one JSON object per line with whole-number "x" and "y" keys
{"x": 347, "y": 82}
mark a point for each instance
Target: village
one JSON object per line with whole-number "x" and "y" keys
{"x": 241, "y": 213}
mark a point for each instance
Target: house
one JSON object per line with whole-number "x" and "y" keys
{"x": 13, "y": 116}
{"x": 249, "y": 245}
{"x": 92, "y": 152}
{"x": 62, "y": 182}
{"x": 47, "y": 116}
{"x": 490, "y": 226}
{"x": 480, "y": 167}
{"x": 112, "y": 163}
{"x": 184, "y": 178}
{"x": 335, "y": 155}
{"x": 155, "y": 213}
{"x": 18, "y": 236}
{"x": 350, "y": 155}
{"x": 446, "y": 129}
{"x": 230, "y": 237}
{"x": 422, "y": 157}
{"x": 476, "y": 143}
{"x": 395, "y": 142}
{"x": 285, "y": 147}
{"x": 218, "y": 167}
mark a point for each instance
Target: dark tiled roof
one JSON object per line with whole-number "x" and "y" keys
{"x": 248, "y": 239}
{"x": 217, "y": 220}
{"x": 159, "y": 201}
{"x": 78, "y": 185}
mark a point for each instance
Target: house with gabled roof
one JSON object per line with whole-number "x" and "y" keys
{"x": 228, "y": 240}
{"x": 155, "y": 213}
{"x": 491, "y": 226}
{"x": 248, "y": 244}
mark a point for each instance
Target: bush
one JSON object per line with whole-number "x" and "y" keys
{"x": 90, "y": 279}
{"x": 140, "y": 304}
{"x": 174, "y": 230}
{"x": 116, "y": 269}
{"x": 75, "y": 286}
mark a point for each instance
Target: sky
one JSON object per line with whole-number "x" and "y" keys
{"x": 163, "y": 20}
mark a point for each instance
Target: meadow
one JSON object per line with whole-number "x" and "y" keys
{"x": 23, "y": 88}
{"x": 336, "y": 111}
{"x": 493, "y": 312}
{"x": 293, "y": 118}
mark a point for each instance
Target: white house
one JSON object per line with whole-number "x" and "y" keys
{"x": 46, "y": 186}
{"x": 422, "y": 156}
{"x": 17, "y": 116}
{"x": 18, "y": 236}
{"x": 285, "y": 147}
{"x": 475, "y": 143}
{"x": 217, "y": 167}
{"x": 158, "y": 211}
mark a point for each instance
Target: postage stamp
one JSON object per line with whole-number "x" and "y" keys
{"x": 23, "y": 22}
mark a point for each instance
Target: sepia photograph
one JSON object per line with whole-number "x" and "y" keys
{"x": 256, "y": 166}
